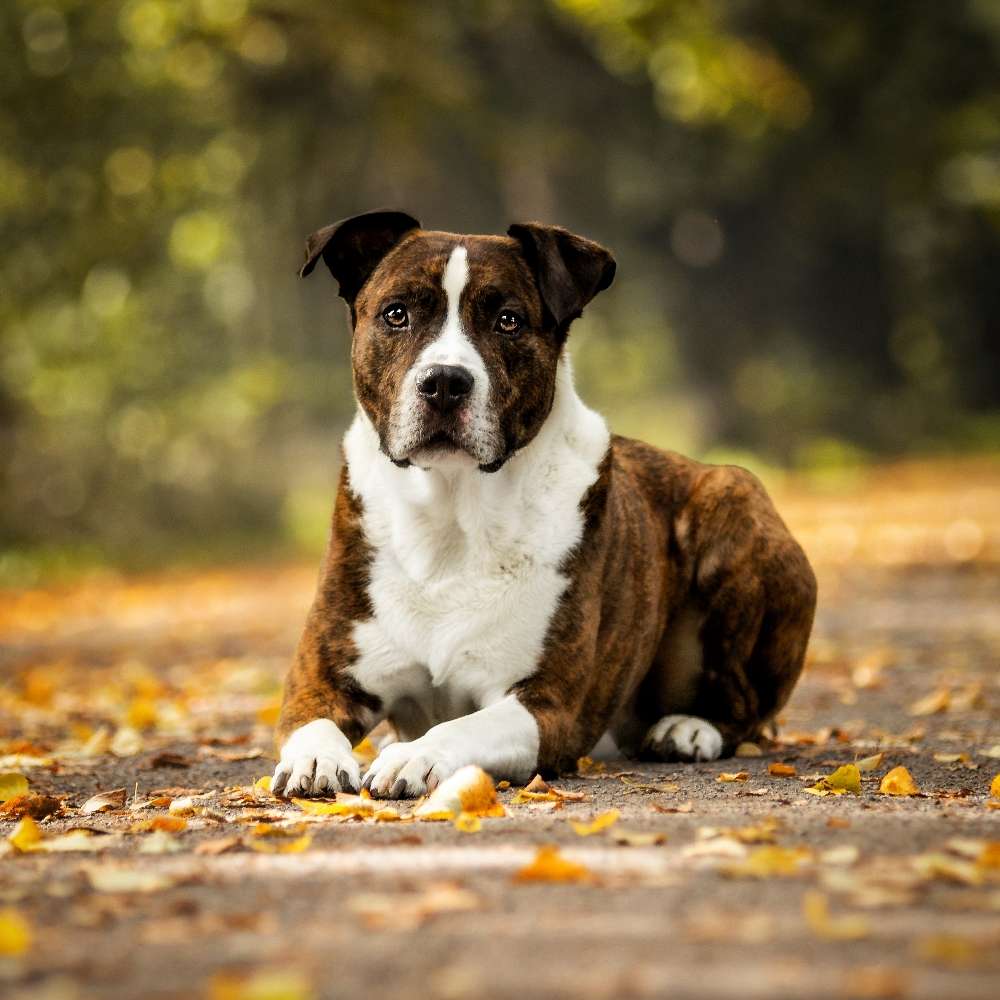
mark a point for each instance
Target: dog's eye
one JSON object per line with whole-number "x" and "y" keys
{"x": 396, "y": 315}
{"x": 508, "y": 322}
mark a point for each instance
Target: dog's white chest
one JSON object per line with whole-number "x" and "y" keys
{"x": 466, "y": 572}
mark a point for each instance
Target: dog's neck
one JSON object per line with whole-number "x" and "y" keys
{"x": 435, "y": 521}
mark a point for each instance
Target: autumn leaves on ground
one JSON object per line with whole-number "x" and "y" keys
{"x": 141, "y": 854}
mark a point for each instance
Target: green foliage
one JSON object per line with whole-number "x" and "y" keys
{"x": 804, "y": 200}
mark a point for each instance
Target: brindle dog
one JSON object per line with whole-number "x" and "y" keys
{"x": 505, "y": 580}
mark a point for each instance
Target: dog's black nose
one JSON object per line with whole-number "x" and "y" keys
{"x": 445, "y": 386}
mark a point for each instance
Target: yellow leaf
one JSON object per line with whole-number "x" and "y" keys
{"x": 365, "y": 751}
{"x": 267, "y": 715}
{"x": 734, "y": 776}
{"x": 12, "y": 785}
{"x": 847, "y": 777}
{"x": 468, "y": 823}
{"x": 898, "y": 781}
{"x": 931, "y": 704}
{"x": 951, "y": 950}
{"x": 25, "y": 836}
{"x": 868, "y": 764}
{"x": 346, "y": 805}
{"x": 550, "y": 866}
{"x": 263, "y": 784}
{"x": 995, "y": 787}
{"x": 816, "y": 910}
{"x": 599, "y": 823}
{"x": 770, "y": 861}
{"x": 586, "y": 765}
{"x": 142, "y": 713}
{"x": 15, "y": 934}
{"x": 777, "y": 770}
{"x": 279, "y": 846}
{"x": 268, "y": 984}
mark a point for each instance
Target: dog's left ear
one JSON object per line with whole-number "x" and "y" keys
{"x": 353, "y": 248}
{"x": 569, "y": 269}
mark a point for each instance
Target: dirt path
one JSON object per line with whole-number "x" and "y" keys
{"x": 749, "y": 888}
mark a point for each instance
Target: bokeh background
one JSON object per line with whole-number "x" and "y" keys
{"x": 804, "y": 200}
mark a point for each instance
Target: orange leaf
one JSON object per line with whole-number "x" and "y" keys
{"x": 777, "y": 770}
{"x": 550, "y": 866}
{"x": 995, "y": 787}
{"x": 898, "y": 781}
{"x": 15, "y": 934}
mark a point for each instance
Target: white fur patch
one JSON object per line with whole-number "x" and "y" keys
{"x": 687, "y": 736}
{"x": 479, "y": 430}
{"x": 316, "y": 760}
{"x": 502, "y": 739}
{"x": 466, "y": 573}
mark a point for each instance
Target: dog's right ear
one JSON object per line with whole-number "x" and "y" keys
{"x": 352, "y": 248}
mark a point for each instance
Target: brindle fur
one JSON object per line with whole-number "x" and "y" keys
{"x": 668, "y": 542}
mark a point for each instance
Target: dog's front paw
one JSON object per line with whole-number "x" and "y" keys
{"x": 316, "y": 760}
{"x": 408, "y": 770}
{"x": 683, "y": 737}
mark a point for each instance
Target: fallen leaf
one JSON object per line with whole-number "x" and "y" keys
{"x": 868, "y": 764}
{"x": 365, "y": 752}
{"x": 35, "y": 806}
{"x": 596, "y": 825}
{"x": 115, "y": 879}
{"x": 470, "y": 789}
{"x": 25, "y": 836}
{"x": 589, "y": 767}
{"x": 952, "y": 758}
{"x": 126, "y": 742}
{"x": 931, "y": 704}
{"x": 898, "y": 781}
{"x": 657, "y": 787}
{"x": 770, "y": 861}
{"x": 842, "y": 855}
{"x": 992, "y": 752}
{"x": 346, "y": 805}
{"x": 684, "y": 807}
{"x": 74, "y": 841}
{"x": 168, "y": 758}
{"x": 218, "y": 846}
{"x": 951, "y": 950}
{"x": 549, "y": 865}
{"x": 816, "y": 911}
{"x": 12, "y": 785}
{"x": 848, "y": 778}
{"x": 734, "y": 776}
{"x": 995, "y": 787}
{"x": 15, "y": 934}
{"x": 748, "y": 750}
{"x": 291, "y": 845}
{"x": 160, "y": 842}
{"x": 166, "y": 824}
{"x": 941, "y": 866}
{"x": 265, "y": 984}
{"x": 777, "y": 770}
{"x": 468, "y": 823}
{"x": 104, "y": 802}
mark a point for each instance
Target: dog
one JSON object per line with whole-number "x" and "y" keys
{"x": 505, "y": 580}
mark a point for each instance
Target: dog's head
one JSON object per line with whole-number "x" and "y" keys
{"x": 457, "y": 338}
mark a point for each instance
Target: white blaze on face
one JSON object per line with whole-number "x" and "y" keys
{"x": 475, "y": 427}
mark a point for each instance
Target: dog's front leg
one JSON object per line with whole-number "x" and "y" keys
{"x": 501, "y": 738}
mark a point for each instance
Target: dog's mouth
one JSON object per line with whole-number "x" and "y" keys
{"x": 439, "y": 441}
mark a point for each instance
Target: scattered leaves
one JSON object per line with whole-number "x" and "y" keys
{"x": 734, "y": 776}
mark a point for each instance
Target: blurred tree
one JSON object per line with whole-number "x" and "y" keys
{"x": 804, "y": 200}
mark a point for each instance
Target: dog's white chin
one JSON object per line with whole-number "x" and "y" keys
{"x": 443, "y": 459}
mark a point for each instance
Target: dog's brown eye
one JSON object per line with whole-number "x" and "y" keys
{"x": 396, "y": 315}
{"x": 508, "y": 322}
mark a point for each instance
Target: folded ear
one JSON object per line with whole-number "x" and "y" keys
{"x": 352, "y": 248}
{"x": 569, "y": 269}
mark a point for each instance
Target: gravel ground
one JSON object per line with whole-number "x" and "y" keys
{"x": 889, "y": 897}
